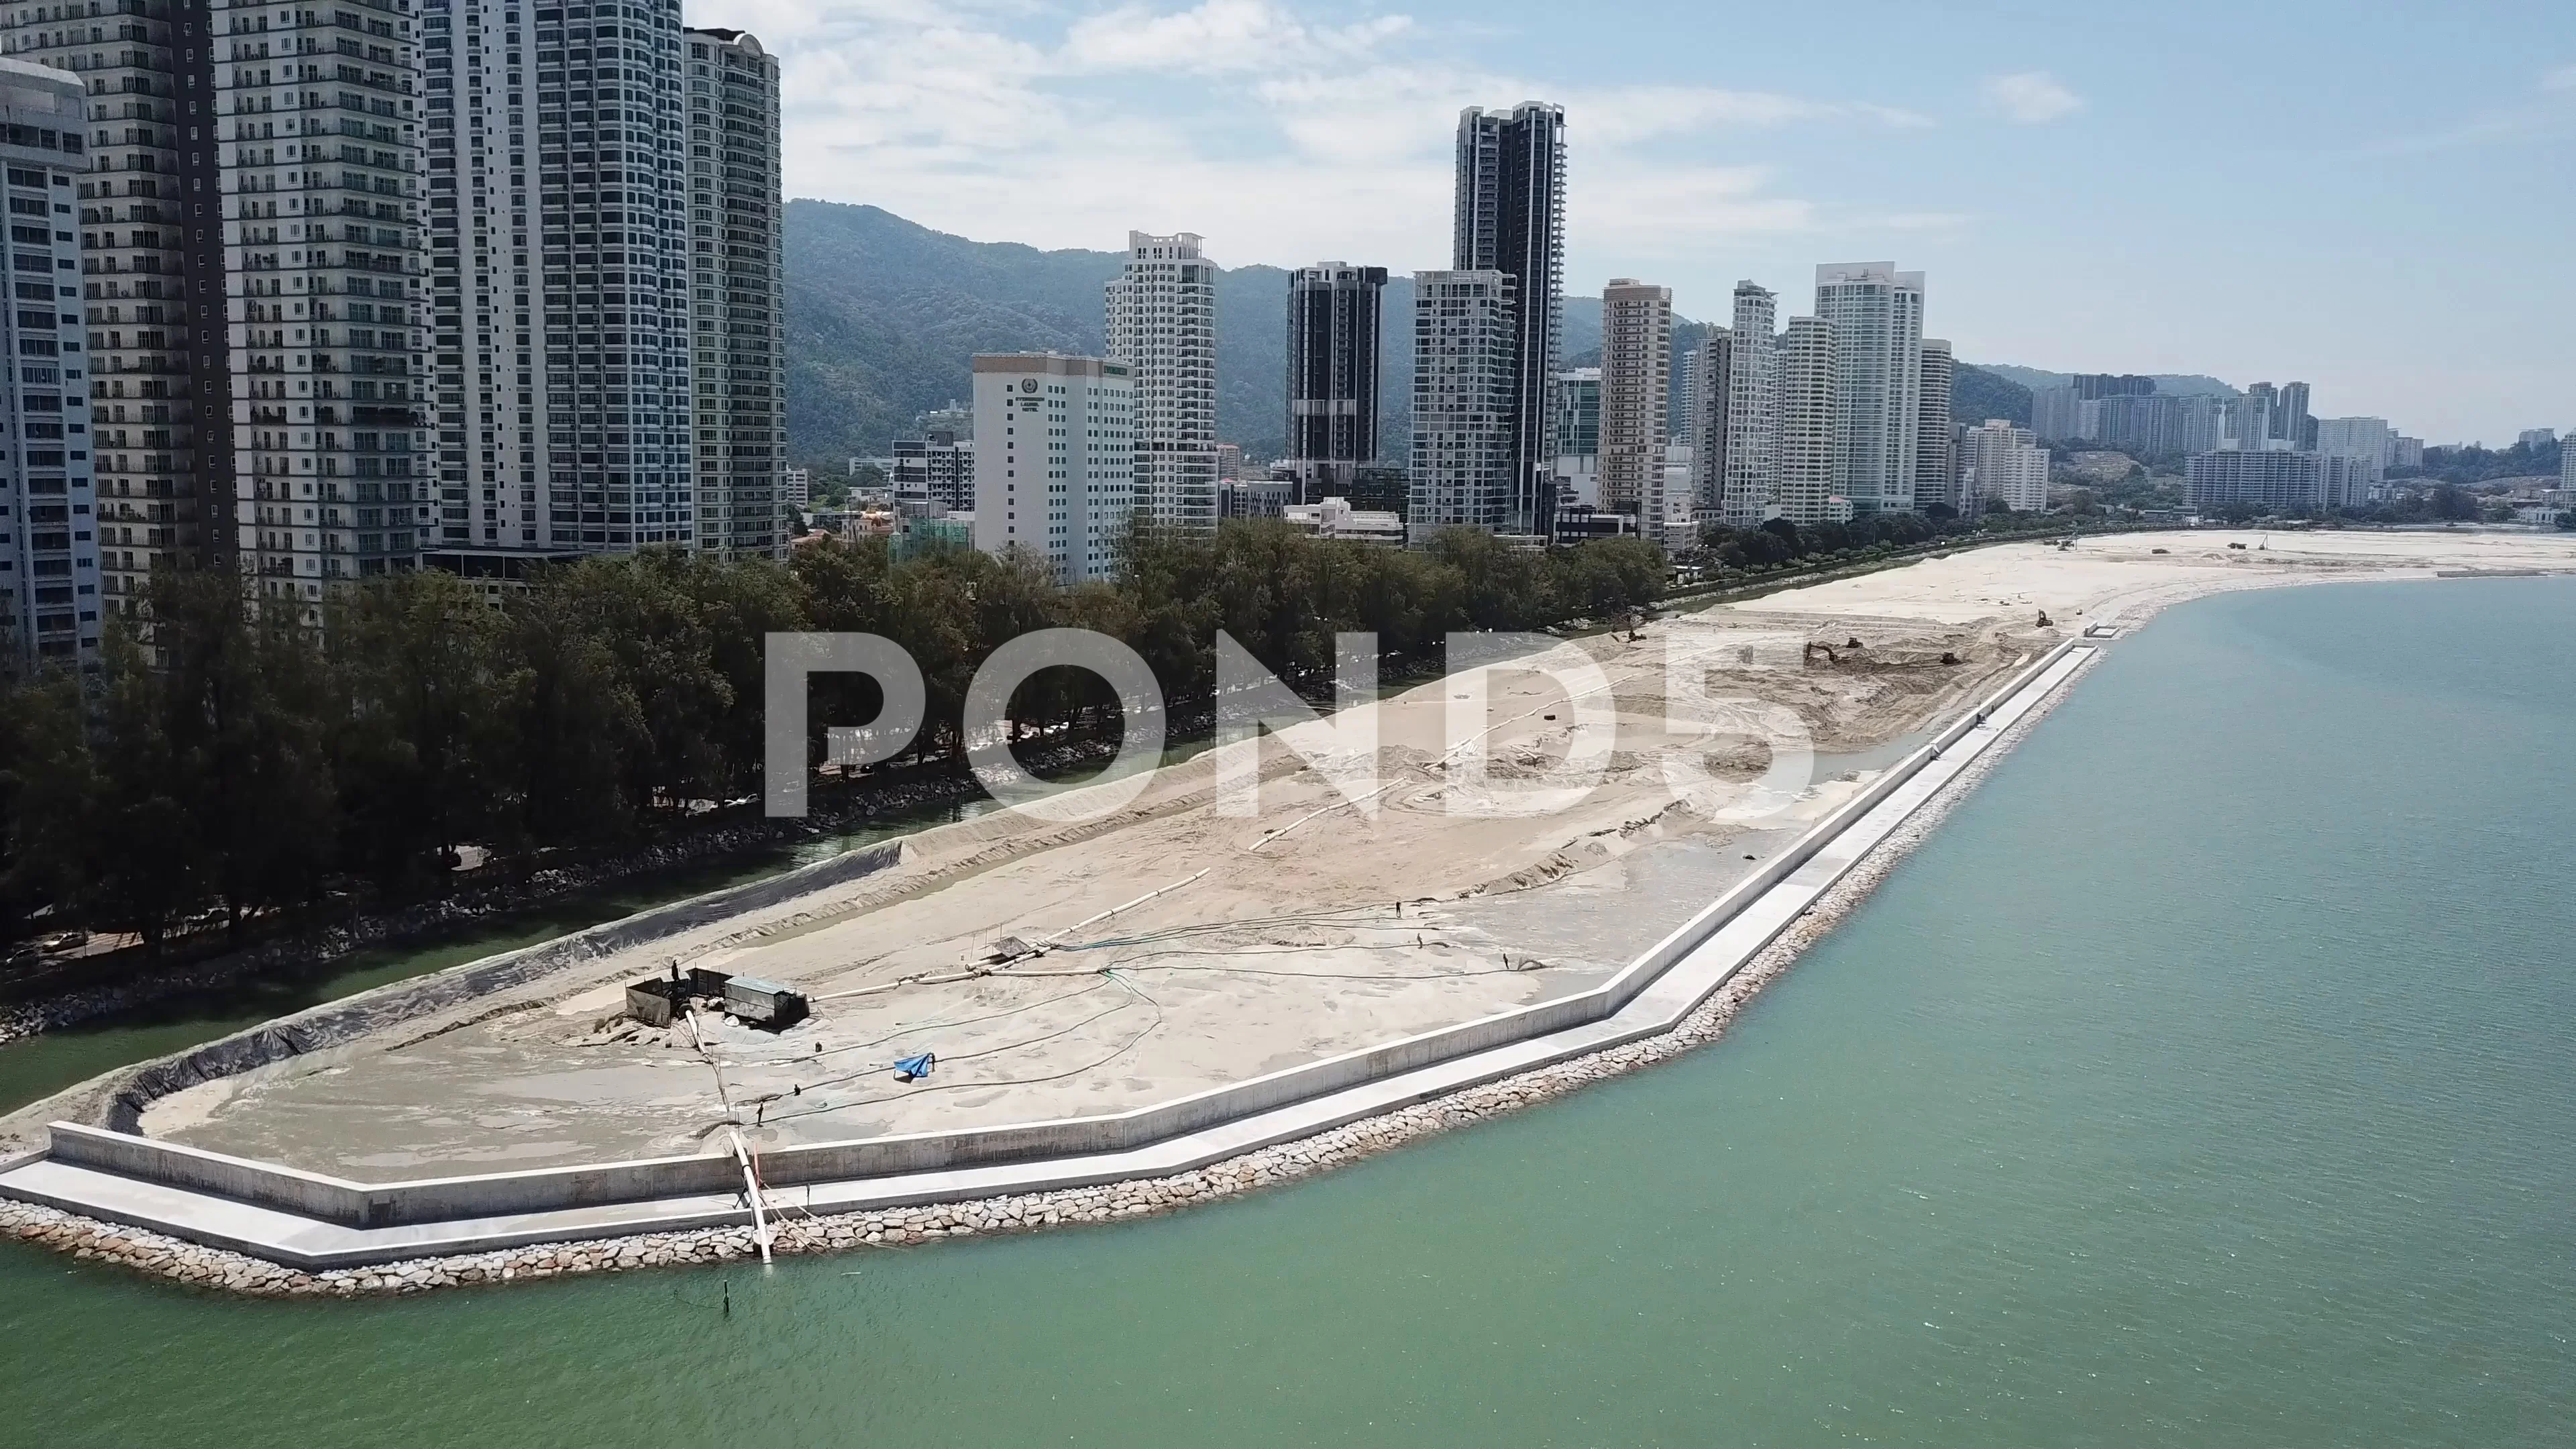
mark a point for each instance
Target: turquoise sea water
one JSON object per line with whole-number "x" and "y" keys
{"x": 2205, "y": 1080}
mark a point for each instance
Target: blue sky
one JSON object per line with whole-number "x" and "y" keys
{"x": 2376, "y": 198}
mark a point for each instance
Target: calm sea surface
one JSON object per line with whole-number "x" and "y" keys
{"x": 2208, "y": 1079}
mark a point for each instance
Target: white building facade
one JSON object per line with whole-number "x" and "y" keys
{"x": 1750, "y": 491}
{"x": 1465, "y": 403}
{"x": 1810, "y": 432}
{"x": 1636, "y": 394}
{"x": 1055, "y": 459}
{"x": 2369, "y": 442}
{"x": 1162, "y": 324}
{"x": 1876, "y": 313}
{"x": 1999, "y": 460}
{"x": 558, "y": 158}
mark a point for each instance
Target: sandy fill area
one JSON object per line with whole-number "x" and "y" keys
{"x": 1315, "y": 926}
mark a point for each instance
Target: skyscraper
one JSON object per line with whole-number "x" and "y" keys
{"x": 2249, "y": 419}
{"x": 1465, "y": 390}
{"x": 1636, "y": 392}
{"x": 1510, "y": 219}
{"x": 50, "y": 604}
{"x": 2292, "y": 427}
{"x": 1577, "y": 436}
{"x": 560, "y": 277}
{"x": 1711, "y": 424}
{"x": 1681, "y": 415}
{"x": 157, "y": 371}
{"x": 2367, "y": 441}
{"x": 325, "y": 364}
{"x": 252, "y": 363}
{"x": 1752, "y": 462}
{"x": 1935, "y": 474}
{"x": 1876, "y": 313}
{"x": 1162, "y": 323}
{"x": 737, "y": 295}
{"x": 1811, "y": 432}
{"x": 1333, "y": 317}
{"x": 1054, "y": 460}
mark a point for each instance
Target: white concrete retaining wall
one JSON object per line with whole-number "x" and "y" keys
{"x": 360, "y": 1205}
{"x": 350, "y": 1017}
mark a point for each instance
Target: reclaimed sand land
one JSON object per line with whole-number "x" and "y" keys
{"x": 1310, "y": 929}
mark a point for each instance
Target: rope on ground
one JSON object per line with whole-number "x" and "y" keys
{"x": 1124, "y": 1048}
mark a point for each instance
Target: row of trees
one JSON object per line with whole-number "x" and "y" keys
{"x": 1780, "y": 543}
{"x": 248, "y": 763}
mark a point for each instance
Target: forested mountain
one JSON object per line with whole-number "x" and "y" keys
{"x": 1980, "y": 393}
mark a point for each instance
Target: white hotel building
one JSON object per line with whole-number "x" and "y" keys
{"x": 1055, "y": 459}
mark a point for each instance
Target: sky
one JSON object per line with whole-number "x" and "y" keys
{"x": 2377, "y": 197}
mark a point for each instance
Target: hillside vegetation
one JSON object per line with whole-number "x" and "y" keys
{"x": 883, "y": 315}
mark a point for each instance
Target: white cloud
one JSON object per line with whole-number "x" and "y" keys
{"x": 1216, "y": 36}
{"x": 2551, "y": 114}
{"x": 2031, "y": 97}
{"x": 1280, "y": 137}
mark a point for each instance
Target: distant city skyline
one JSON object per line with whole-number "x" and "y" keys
{"x": 2080, "y": 215}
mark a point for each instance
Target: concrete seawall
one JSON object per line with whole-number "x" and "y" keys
{"x": 335, "y": 1022}
{"x": 311, "y": 1219}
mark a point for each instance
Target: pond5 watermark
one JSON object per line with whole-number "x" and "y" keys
{"x": 1531, "y": 724}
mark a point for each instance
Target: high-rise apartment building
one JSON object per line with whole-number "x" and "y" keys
{"x": 2154, "y": 424}
{"x": 1713, "y": 368}
{"x": 1876, "y": 313}
{"x": 2270, "y": 419}
{"x": 934, "y": 470}
{"x": 1510, "y": 218}
{"x": 2292, "y": 425}
{"x": 1681, "y": 415}
{"x": 1333, "y": 322}
{"x": 1576, "y": 435}
{"x": 315, "y": 149}
{"x": 1811, "y": 432}
{"x": 1465, "y": 392}
{"x": 559, "y": 191}
{"x": 251, "y": 239}
{"x": 1162, "y": 323}
{"x": 1935, "y": 469}
{"x": 1636, "y": 391}
{"x": 161, "y": 437}
{"x": 1751, "y": 476}
{"x": 1055, "y": 459}
{"x": 737, "y": 295}
{"x": 2000, "y": 461}
{"x": 2369, "y": 442}
{"x": 2063, "y": 415}
{"x": 50, "y": 600}
{"x": 2077, "y": 409}
{"x": 2276, "y": 480}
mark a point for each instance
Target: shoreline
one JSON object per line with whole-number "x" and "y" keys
{"x": 795, "y": 1232}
